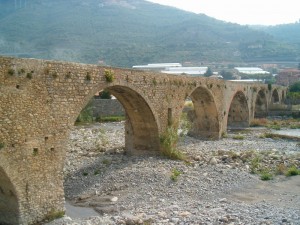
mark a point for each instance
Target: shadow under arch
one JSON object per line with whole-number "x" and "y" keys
{"x": 238, "y": 114}
{"x": 275, "y": 96}
{"x": 141, "y": 128}
{"x": 204, "y": 117}
{"x": 9, "y": 207}
{"x": 261, "y": 109}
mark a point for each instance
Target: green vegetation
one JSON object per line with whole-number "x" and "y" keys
{"x": 292, "y": 171}
{"x": 86, "y": 114}
{"x": 105, "y": 119}
{"x": 82, "y": 33}
{"x": 105, "y": 95}
{"x": 88, "y": 76}
{"x": 29, "y": 76}
{"x": 53, "y": 214}
{"x": 106, "y": 162}
{"x": 85, "y": 174}
{"x": 168, "y": 143}
{"x": 11, "y": 72}
{"x": 238, "y": 137}
{"x": 175, "y": 174}
{"x": 266, "y": 175}
{"x": 2, "y": 145}
{"x": 109, "y": 75}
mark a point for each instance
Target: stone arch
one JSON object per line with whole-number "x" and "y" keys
{"x": 238, "y": 114}
{"x": 204, "y": 117}
{"x": 141, "y": 128}
{"x": 275, "y": 96}
{"x": 9, "y": 207}
{"x": 261, "y": 105}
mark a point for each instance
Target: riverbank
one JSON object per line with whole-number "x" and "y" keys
{"x": 216, "y": 185}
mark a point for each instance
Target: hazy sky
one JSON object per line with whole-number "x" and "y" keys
{"x": 262, "y": 12}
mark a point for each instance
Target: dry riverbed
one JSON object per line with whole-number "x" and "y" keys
{"x": 216, "y": 186}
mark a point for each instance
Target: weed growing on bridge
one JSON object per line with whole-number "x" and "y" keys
{"x": 21, "y": 71}
{"x": 88, "y": 76}
{"x": 109, "y": 75}
{"x": 29, "y": 76}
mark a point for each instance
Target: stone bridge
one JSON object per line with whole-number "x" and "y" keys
{"x": 40, "y": 101}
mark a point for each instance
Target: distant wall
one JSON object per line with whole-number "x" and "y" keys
{"x": 107, "y": 107}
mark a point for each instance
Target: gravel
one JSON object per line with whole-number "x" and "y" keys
{"x": 215, "y": 186}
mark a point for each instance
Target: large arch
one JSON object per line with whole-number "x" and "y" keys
{"x": 238, "y": 115}
{"x": 9, "y": 207}
{"x": 204, "y": 117}
{"x": 275, "y": 96}
{"x": 141, "y": 129}
{"x": 261, "y": 105}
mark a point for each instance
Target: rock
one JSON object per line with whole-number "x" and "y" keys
{"x": 213, "y": 161}
{"x": 114, "y": 199}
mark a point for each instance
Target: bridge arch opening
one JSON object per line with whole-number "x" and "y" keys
{"x": 203, "y": 115}
{"x": 141, "y": 129}
{"x": 238, "y": 115}
{"x": 9, "y": 207}
{"x": 260, "y": 105}
{"x": 275, "y": 96}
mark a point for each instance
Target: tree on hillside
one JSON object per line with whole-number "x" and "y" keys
{"x": 105, "y": 95}
{"x": 227, "y": 75}
{"x": 295, "y": 87}
{"x": 208, "y": 72}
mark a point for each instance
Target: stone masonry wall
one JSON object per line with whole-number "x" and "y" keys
{"x": 107, "y": 107}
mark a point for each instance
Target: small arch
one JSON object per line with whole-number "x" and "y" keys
{"x": 238, "y": 115}
{"x": 275, "y": 96}
{"x": 9, "y": 208}
{"x": 204, "y": 117}
{"x": 261, "y": 108}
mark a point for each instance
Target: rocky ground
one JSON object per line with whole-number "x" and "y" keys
{"x": 220, "y": 183}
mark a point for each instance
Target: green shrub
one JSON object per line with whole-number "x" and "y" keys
{"x": 168, "y": 143}
{"x": 238, "y": 137}
{"x": 175, "y": 174}
{"x": 292, "y": 171}
{"x": 2, "y": 145}
{"x": 255, "y": 164}
{"x": 109, "y": 75}
{"x": 266, "y": 175}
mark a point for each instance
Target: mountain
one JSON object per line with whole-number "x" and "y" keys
{"x": 128, "y": 32}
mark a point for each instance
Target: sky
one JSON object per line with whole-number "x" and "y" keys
{"x": 244, "y": 12}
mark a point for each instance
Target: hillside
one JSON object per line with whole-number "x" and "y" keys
{"x": 125, "y": 33}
